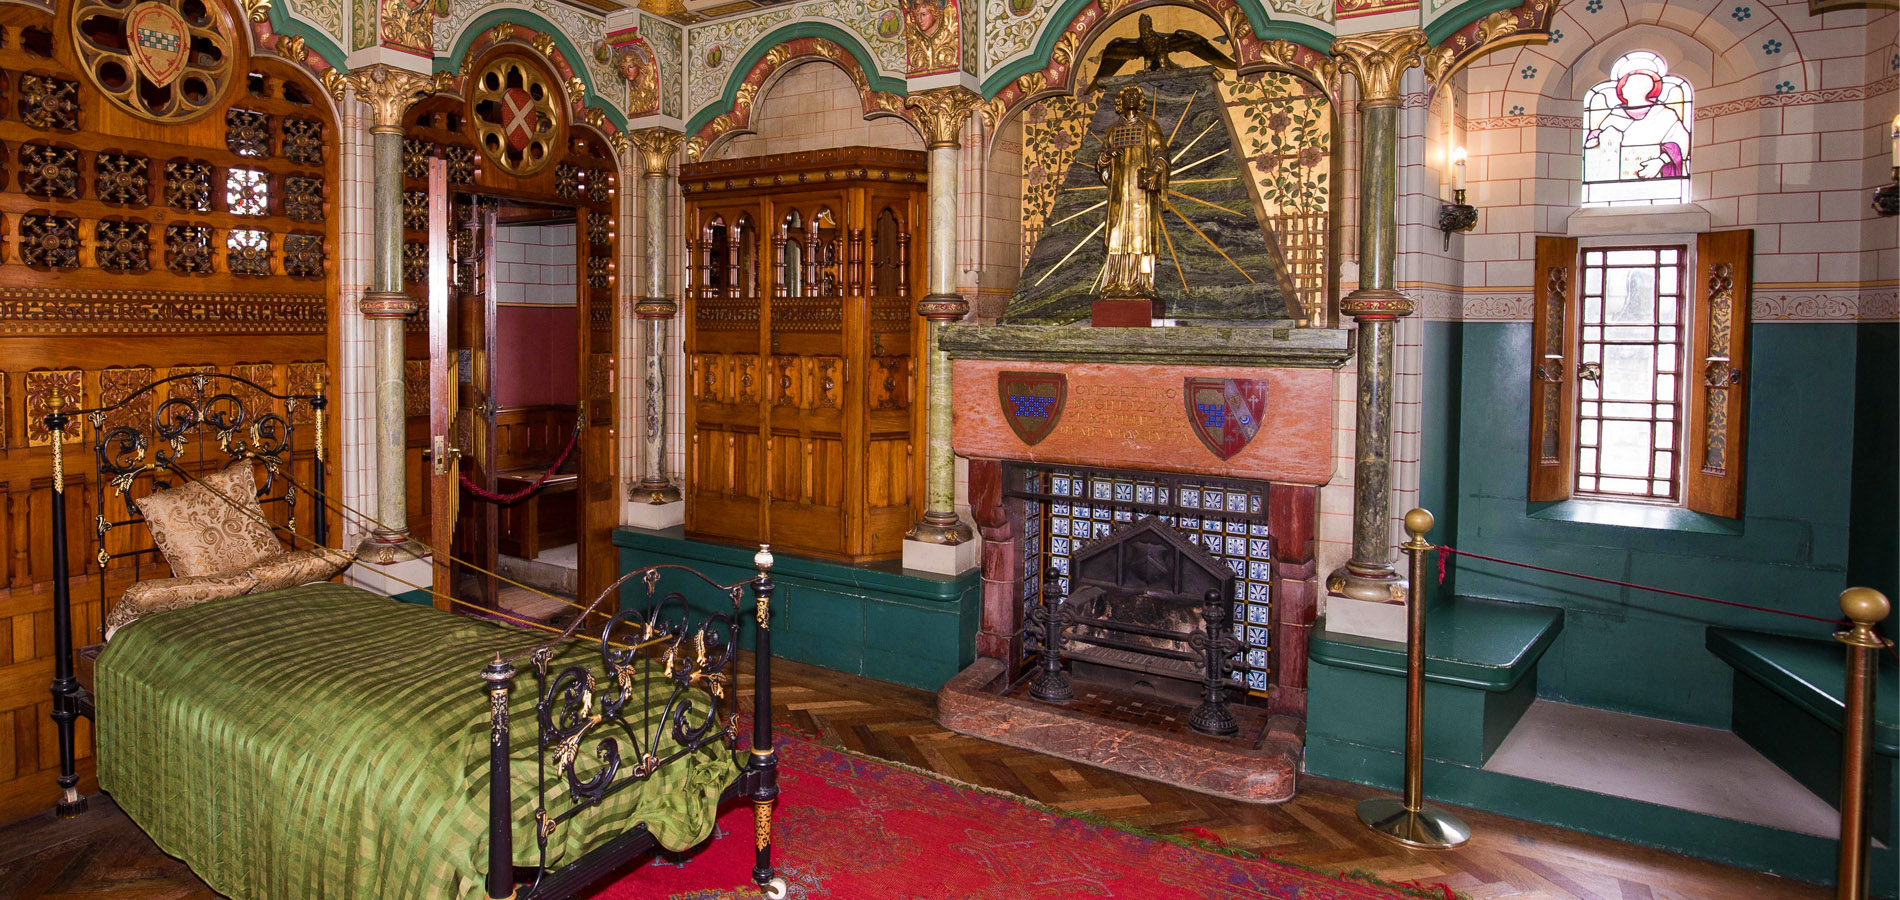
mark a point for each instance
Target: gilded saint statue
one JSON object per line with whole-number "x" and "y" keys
{"x": 1134, "y": 166}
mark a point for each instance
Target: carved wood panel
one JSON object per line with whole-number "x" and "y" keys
{"x": 115, "y": 270}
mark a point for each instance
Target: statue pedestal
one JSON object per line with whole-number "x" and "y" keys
{"x": 1122, "y": 313}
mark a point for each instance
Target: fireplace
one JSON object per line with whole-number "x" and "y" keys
{"x": 1164, "y": 577}
{"x": 1115, "y": 490}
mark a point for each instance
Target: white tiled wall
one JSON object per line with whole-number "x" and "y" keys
{"x": 535, "y": 264}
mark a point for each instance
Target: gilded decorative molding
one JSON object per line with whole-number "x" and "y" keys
{"x": 257, "y": 10}
{"x": 388, "y": 90}
{"x": 933, "y": 36}
{"x": 1529, "y": 23}
{"x": 64, "y": 311}
{"x": 409, "y": 24}
{"x": 738, "y": 119}
{"x": 1378, "y": 59}
{"x": 656, "y": 147}
{"x": 942, "y": 112}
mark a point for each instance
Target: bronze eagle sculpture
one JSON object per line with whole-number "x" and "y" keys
{"x": 1154, "y": 47}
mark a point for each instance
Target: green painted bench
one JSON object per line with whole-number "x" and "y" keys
{"x": 1480, "y": 676}
{"x": 1788, "y": 706}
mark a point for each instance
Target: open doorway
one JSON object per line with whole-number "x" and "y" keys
{"x": 536, "y": 328}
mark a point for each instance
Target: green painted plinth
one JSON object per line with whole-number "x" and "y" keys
{"x": 1480, "y": 676}
{"x": 878, "y": 620}
{"x": 1788, "y": 704}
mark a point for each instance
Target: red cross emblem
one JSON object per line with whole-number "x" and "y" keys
{"x": 520, "y": 120}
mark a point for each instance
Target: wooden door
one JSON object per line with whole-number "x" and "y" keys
{"x": 810, "y": 326}
{"x": 445, "y": 490}
{"x": 471, "y": 350}
{"x": 598, "y": 503}
{"x": 889, "y": 260}
{"x": 726, "y": 416}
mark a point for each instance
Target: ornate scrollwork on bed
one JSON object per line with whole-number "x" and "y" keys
{"x": 183, "y": 426}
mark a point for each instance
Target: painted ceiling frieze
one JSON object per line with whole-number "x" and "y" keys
{"x": 293, "y": 47}
{"x": 713, "y": 49}
{"x": 667, "y": 40}
{"x": 739, "y": 118}
{"x": 1010, "y": 28}
{"x": 325, "y": 16}
{"x": 1252, "y": 53}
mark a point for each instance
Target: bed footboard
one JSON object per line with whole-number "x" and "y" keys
{"x": 693, "y": 660}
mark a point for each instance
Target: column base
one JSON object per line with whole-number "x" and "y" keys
{"x": 71, "y": 803}
{"x": 940, "y": 528}
{"x": 941, "y": 558}
{"x": 388, "y": 549}
{"x": 655, "y": 493}
{"x": 654, "y": 515}
{"x": 403, "y": 576}
{"x": 1367, "y": 603}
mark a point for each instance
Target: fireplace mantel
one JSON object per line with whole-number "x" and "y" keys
{"x": 1250, "y": 346}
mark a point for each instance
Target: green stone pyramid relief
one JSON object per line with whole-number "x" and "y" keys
{"x": 1218, "y": 264}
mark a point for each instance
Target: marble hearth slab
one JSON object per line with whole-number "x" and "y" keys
{"x": 974, "y": 703}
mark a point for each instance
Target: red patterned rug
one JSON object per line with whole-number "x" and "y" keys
{"x": 849, "y": 828}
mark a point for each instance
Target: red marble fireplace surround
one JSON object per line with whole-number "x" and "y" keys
{"x": 1124, "y": 409}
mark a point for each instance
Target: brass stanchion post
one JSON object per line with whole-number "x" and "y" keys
{"x": 1865, "y": 607}
{"x": 1412, "y": 821}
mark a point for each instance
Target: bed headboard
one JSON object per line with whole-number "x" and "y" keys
{"x": 179, "y": 428}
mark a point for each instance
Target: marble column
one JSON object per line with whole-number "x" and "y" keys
{"x": 389, "y": 91}
{"x": 942, "y": 112}
{"x": 1377, "y": 60}
{"x": 655, "y": 311}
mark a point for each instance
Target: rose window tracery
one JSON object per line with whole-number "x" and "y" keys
{"x": 161, "y": 60}
{"x": 517, "y": 115}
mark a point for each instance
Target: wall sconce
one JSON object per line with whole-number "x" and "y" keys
{"x": 1458, "y": 215}
{"x": 1887, "y": 199}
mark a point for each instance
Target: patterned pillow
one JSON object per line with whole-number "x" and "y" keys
{"x": 301, "y": 567}
{"x": 203, "y": 533}
{"x": 165, "y": 594}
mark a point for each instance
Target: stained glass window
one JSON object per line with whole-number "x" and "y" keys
{"x": 1636, "y": 135}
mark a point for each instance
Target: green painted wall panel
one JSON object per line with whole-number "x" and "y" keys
{"x": 880, "y": 620}
{"x": 1872, "y": 557}
{"x": 1633, "y": 650}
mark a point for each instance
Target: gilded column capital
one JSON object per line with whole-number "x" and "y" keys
{"x": 942, "y": 112}
{"x": 656, "y": 147}
{"x": 389, "y": 91}
{"x": 1378, "y": 59}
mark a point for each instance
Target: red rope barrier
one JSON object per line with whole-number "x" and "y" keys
{"x": 1444, "y": 552}
{"x": 489, "y": 495}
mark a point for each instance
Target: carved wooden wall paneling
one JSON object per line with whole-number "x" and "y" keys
{"x": 800, "y": 319}
{"x": 117, "y": 268}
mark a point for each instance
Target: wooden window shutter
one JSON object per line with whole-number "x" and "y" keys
{"x": 1553, "y": 385}
{"x": 1718, "y": 372}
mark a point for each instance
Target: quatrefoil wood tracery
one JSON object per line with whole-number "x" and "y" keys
{"x": 161, "y": 60}
{"x": 516, "y": 112}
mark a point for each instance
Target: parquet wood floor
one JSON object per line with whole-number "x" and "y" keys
{"x": 102, "y": 854}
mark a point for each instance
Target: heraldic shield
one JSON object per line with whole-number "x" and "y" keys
{"x": 1225, "y": 412}
{"x": 157, "y": 37}
{"x": 1032, "y": 402}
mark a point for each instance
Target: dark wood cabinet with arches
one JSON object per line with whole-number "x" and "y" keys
{"x": 803, "y": 275}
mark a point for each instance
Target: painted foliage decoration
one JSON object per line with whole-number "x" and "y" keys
{"x": 1636, "y": 134}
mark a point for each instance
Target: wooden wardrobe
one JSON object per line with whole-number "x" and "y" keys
{"x": 803, "y": 275}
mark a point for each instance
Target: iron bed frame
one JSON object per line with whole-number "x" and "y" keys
{"x": 205, "y": 420}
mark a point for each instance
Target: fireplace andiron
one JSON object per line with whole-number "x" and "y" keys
{"x": 1131, "y": 586}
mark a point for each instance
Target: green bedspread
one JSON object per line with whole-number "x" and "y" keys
{"x": 324, "y": 742}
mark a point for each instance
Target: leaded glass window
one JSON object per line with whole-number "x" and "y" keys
{"x": 1636, "y": 134}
